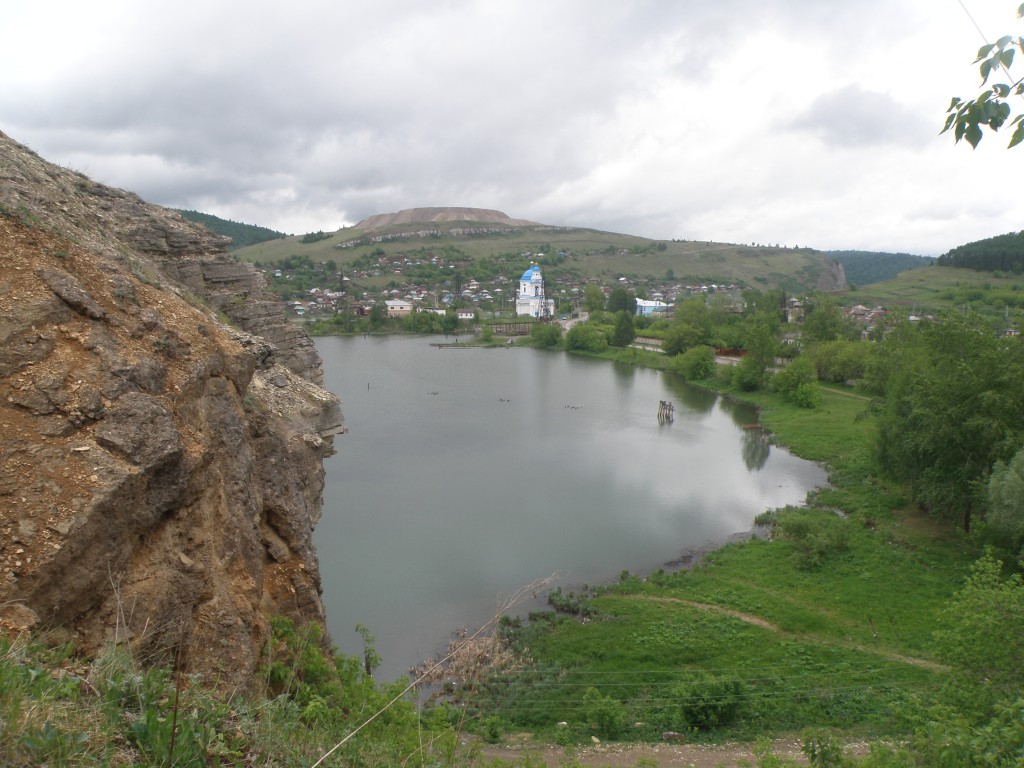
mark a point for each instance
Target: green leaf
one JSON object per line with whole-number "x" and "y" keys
{"x": 984, "y": 51}
{"x": 1018, "y": 135}
{"x": 1006, "y": 57}
{"x": 986, "y": 69}
{"x": 973, "y": 135}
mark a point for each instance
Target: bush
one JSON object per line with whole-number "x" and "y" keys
{"x": 817, "y": 535}
{"x": 587, "y": 338}
{"x": 708, "y": 702}
{"x": 546, "y": 334}
{"x": 841, "y": 360}
{"x": 797, "y": 383}
{"x": 695, "y": 364}
{"x": 605, "y": 716}
{"x": 749, "y": 375}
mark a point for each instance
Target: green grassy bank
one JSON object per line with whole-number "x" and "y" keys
{"x": 828, "y": 624}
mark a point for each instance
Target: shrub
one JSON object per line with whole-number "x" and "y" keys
{"x": 546, "y": 334}
{"x": 696, "y": 364}
{"x": 605, "y": 716}
{"x": 817, "y": 535}
{"x": 586, "y": 338}
{"x": 797, "y": 383}
{"x": 708, "y": 702}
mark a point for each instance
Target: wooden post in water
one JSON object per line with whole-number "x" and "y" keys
{"x": 666, "y": 411}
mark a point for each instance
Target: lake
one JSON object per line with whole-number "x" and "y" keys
{"x": 469, "y": 473}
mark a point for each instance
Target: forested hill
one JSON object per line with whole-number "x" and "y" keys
{"x": 1002, "y": 252}
{"x": 241, "y": 234}
{"x": 866, "y": 267}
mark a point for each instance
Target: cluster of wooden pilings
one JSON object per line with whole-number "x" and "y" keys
{"x": 666, "y": 411}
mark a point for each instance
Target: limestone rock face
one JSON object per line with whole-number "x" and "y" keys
{"x": 832, "y": 280}
{"x": 161, "y": 471}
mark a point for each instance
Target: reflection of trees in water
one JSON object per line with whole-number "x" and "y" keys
{"x": 624, "y": 373}
{"x": 696, "y": 399}
{"x": 756, "y": 447}
{"x": 742, "y": 414}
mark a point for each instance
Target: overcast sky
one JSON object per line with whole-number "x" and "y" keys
{"x": 796, "y": 122}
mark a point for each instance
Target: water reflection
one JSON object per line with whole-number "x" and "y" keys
{"x": 756, "y": 447}
{"x": 624, "y": 374}
{"x": 694, "y": 398}
{"x": 469, "y": 473}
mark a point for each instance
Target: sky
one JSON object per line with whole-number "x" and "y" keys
{"x": 787, "y": 122}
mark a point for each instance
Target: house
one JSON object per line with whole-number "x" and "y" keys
{"x": 466, "y": 313}
{"x": 398, "y": 307}
{"x": 645, "y": 308}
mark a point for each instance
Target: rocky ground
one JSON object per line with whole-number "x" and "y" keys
{"x": 674, "y": 755}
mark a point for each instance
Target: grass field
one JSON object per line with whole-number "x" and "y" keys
{"x": 933, "y": 289}
{"x": 843, "y": 642}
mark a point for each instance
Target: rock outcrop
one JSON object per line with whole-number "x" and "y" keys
{"x": 164, "y": 428}
{"x": 431, "y": 215}
{"x": 834, "y": 279}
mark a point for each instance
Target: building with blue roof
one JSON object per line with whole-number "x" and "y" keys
{"x": 530, "y": 298}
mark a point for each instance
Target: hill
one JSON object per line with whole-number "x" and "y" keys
{"x": 866, "y": 267}
{"x": 569, "y": 253}
{"x": 241, "y": 234}
{"x": 933, "y": 289}
{"x": 1003, "y": 253}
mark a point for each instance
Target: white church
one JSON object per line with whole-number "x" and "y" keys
{"x": 530, "y": 298}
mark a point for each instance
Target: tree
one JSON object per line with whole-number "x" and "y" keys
{"x": 824, "y": 321}
{"x": 982, "y": 637}
{"x": 954, "y": 406}
{"x": 840, "y": 360}
{"x": 621, "y": 300}
{"x": 696, "y": 363}
{"x": 760, "y": 339}
{"x": 990, "y": 108}
{"x": 586, "y": 337}
{"x": 624, "y": 333}
{"x": 1006, "y": 501}
{"x": 593, "y": 298}
{"x": 680, "y": 337}
{"x": 798, "y": 383}
{"x": 378, "y": 314}
{"x": 546, "y": 334}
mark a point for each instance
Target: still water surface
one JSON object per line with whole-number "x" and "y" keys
{"x": 469, "y": 473}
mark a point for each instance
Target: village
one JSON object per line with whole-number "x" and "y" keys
{"x": 444, "y": 284}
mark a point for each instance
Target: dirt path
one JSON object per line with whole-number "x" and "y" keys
{"x": 730, "y": 755}
{"x": 846, "y": 394}
{"x": 750, "y": 618}
{"x": 629, "y": 756}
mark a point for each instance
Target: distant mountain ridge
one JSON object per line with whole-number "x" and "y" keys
{"x": 434, "y": 215}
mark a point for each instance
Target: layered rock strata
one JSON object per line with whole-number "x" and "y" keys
{"x": 162, "y": 430}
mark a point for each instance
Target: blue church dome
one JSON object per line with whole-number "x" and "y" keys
{"x": 532, "y": 274}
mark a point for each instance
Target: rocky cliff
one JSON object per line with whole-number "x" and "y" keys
{"x": 163, "y": 430}
{"x": 833, "y": 279}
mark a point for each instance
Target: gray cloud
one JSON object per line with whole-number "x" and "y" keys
{"x": 854, "y": 117}
{"x": 666, "y": 119}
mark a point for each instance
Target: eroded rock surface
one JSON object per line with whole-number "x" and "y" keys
{"x": 160, "y": 471}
